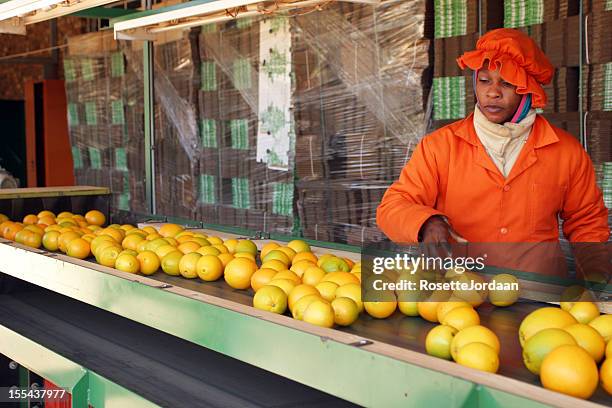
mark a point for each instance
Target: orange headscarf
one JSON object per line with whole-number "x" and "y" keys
{"x": 518, "y": 58}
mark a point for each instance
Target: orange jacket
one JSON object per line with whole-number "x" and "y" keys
{"x": 451, "y": 174}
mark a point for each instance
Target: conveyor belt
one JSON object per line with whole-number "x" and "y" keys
{"x": 410, "y": 332}
{"x": 162, "y": 368}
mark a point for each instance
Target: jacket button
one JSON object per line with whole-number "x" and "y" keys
{"x": 507, "y": 187}
{"x": 504, "y": 230}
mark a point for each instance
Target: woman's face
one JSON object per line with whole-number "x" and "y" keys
{"x": 497, "y": 98}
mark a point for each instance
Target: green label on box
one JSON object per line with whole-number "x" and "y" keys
{"x": 239, "y": 129}
{"x": 607, "y": 102}
{"x": 208, "y": 132}
{"x": 608, "y": 5}
{"x": 520, "y": 13}
{"x": 73, "y": 114}
{"x": 209, "y": 76}
{"x": 450, "y": 18}
{"x": 207, "y": 189}
{"x": 95, "y": 158}
{"x": 87, "y": 69}
{"x": 282, "y": 199}
{"x": 117, "y": 112}
{"x": 124, "y": 202}
{"x": 242, "y": 73}
{"x": 449, "y": 98}
{"x": 91, "y": 116}
{"x": 77, "y": 159}
{"x": 69, "y": 70}
{"x": 117, "y": 64}
{"x": 240, "y": 193}
{"x": 121, "y": 159}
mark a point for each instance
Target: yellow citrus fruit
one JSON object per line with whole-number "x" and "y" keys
{"x": 438, "y": 341}
{"x": 225, "y": 258}
{"x": 184, "y": 237}
{"x": 170, "y": 230}
{"x": 209, "y": 268}
{"x": 199, "y": 240}
{"x": 129, "y": 251}
{"x": 589, "y": 339}
{"x": 230, "y": 244}
{"x": 474, "y": 334}
{"x": 570, "y": 370}
{"x": 313, "y": 275}
{"x": 285, "y": 284}
{"x": 324, "y": 257}
{"x": 65, "y": 238}
{"x": 503, "y": 297}
{"x": 609, "y": 350}
{"x": 34, "y": 228}
{"x": 544, "y": 318}
{"x": 213, "y": 240}
{"x": 479, "y": 356}
{"x": 102, "y": 245}
{"x": 380, "y": 310}
{"x": 408, "y": 308}
{"x": 299, "y": 246}
{"x": 164, "y": 250}
{"x": 33, "y": 240}
{"x": 170, "y": 263}
{"x": 46, "y": 220}
{"x": 473, "y": 297}
{"x": 299, "y": 292}
{"x": 605, "y": 374}
{"x": 49, "y": 240}
{"x": 131, "y": 241}
{"x": 319, "y": 313}
{"x": 327, "y": 290}
{"x": 95, "y": 217}
{"x": 142, "y": 246}
{"x": 278, "y": 255}
{"x": 267, "y": 248}
{"x": 345, "y": 311}
{"x": 541, "y": 344}
{"x": 188, "y": 265}
{"x": 107, "y": 256}
{"x": 445, "y": 307}
{"x": 207, "y": 250}
{"x": 603, "y": 324}
{"x": 461, "y": 317}
{"x": 573, "y": 294}
{"x": 189, "y": 247}
{"x": 116, "y": 233}
{"x": 334, "y": 264}
{"x": 171, "y": 241}
{"x": 270, "y": 298}
{"x": 65, "y": 214}
{"x": 98, "y": 240}
{"x": 428, "y": 311}
{"x": 340, "y": 278}
{"x": 78, "y": 248}
{"x": 149, "y": 229}
{"x": 274, "y": 264}
{"x": 584, "y": 312}
{"x": 246, "y": 255}
{"x": 30, "y": 219}
{"x": 42, "y": 214}
{"x": 245, "y": 245}
{"x": 238, "y": 273}
{"x": 262, "y": 277}
{"x": 153, "y": 237}
{"x": 223, "y": 249}
{"x": 149, "y": 262}
{"x": 300, "y": 267}
{"x": 304, "y": 256}
{"x": 127, "y": 263}
{"x": 351, "y": 291}
{"x": 287, "y": 274}
{"x": 300, "y": 306}
{"x": 287, "y": 251}
{"x": 127, "y": 227}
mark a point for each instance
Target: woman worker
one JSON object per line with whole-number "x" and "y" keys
{"x": 504, "y": 173}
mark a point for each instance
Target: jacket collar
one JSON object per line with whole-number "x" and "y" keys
{"x": 542, "y": 131}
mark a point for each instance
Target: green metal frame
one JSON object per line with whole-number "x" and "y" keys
{"x": 368, "y": 378}
{"x": 104, "y": 12}
{"x": 85, "y": 386}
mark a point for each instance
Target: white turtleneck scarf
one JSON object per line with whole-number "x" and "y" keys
{"x": 503, "y": 143}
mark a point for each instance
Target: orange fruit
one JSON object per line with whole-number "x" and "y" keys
{"x": 46, "y": 220}
{"x": 127, "y": 263}
{"x": 429, "y": 311}
{"x": 351, "y": 291}
{"x": 319, "y": 313}
{"x": 65, "y": 238}
{"x": 21, "y": 236}
{"x": 278, "y": 255}
{"x": 30, "y": 219}
{"x": 299, "y": 246}
{"x": 609, "y": 350}
{"x": 33, "y": 240}
{"x": 12, "y": 230}
{"x": 188, "y": 265}
{"x": 127, "y": 227}
{"x": 95, "y": 217}
{"x": 605, "y": 374}
{"x": 327, "y": 290}
{"x": 164, "y": 250}
{"x": 473, "y": 334}
{"x": 461, "y": 317}
{"x": 589, "y": 339}
{"x": 49, "y": 240}
{"x": 170, "y": 263}
{"x": 479, "y": 356}
{"x": 313, "y": 275}
{"x": 340, "y": 278}
{"x": 345, "y": 311}
{"x": 245, "y": 245}
{"x": 65, "y": 214}
{"x": 274, "y": 264}
{"x": 201, "y": 241}
{"x": 300, "y": 267}
{"x": 299, "y": 292}
{"x": 238, "y": 273}
{"x": 287, "y": 251}
{"x": 149, "y": 229}
{"x": 570, "y": 370}
{"x": 438, "y": 341}
{"x": 212, "y": 240}
{"x": 108, "y": 255}
{"x": 544, "y": 318}
{"x": 225, "y": 258}
{"x": 304, "y": 256}
{"x": 230, "y": 244}
{"x": 98, "y": 240}
{"x": 584, "y": 312}
{"x": 116, "y": 233}
{"x": 300, "y": 306}
{"x": 222, "y": 248}
{"x": 285, "y": 284}
{"x": 380, "y": 310}
{"x": 209, "y": 268}
{"x": 271, "y": 299}
{"x": 78, "y": 248}
{"x": 206, "y": 250}
{"x": 603, "y": 324}
{"x": 246, "y": 255}
{"x": 148, "y": 262}
{"x": 45, "y": 214}
{"x": 4, "y": 226}
{"x": 131, "y": 241}
{"x": 287, "y": 274}
{"x": 541, "y": 344}
{"x": 35, "y": 229}
{"x": 445, "y": 307}
{"x": 262, "y": 277}
{"x": 184, "y": 237}
{"x": 170, "y": 230}
{"x": 153, "y": 237}
{"x": 267, "y": 248}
